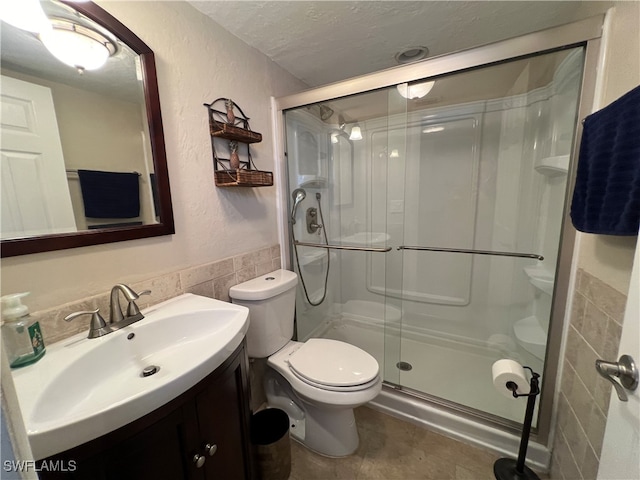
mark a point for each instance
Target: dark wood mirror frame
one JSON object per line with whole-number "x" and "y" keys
{"x": 46, "y": 243}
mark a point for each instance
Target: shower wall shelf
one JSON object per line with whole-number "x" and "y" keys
{"x": 530, "y": 335}
{"x": 540, "y": 278}
{"x": 227, "y": 121}
{"x": 552, "y": 166}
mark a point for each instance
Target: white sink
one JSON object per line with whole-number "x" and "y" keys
{"x": 83, "y": 388}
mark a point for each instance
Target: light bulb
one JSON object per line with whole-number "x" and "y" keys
{"x": 417, "y": 90}
{"x": 394, "y": 153}
{"x": 75, "y": 49}
{"x": 25, "y": 15}
{"x": 334, "y": 138}
{"x": 356, "y": 133}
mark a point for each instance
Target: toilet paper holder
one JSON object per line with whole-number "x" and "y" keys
{"x": 507, "y": 468}
{"x": 534, "y": 384}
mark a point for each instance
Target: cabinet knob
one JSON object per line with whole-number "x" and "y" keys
{"x": 211, "y": 449}
{"x": 199, "y": 460}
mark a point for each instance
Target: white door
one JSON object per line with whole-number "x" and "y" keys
{"x": 620, "y": 457}
{"x": 35, "y": 191}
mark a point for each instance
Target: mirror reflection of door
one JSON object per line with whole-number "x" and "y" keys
{"x": 35, "y": 191}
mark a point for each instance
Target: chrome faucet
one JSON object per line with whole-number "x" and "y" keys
{"x": 133, "y": 312}
{"x": 98, "y": 326}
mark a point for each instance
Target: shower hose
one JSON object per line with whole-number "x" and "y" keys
{"x": 326, "y": 276}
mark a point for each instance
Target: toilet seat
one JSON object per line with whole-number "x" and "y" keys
{"x": 351, "y": 388}
{"x": 320, "y": 394}
{"x": 333, "y": 365}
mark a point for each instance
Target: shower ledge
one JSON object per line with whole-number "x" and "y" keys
{"x": 366, "y": 239}
{"x": 541, "y": 278}
{"x": 552, "y": 166}
{"x": 530, "y": 335}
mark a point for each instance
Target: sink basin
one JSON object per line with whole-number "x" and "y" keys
{"x": 83, "y": 388}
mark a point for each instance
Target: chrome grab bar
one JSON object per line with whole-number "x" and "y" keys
{"x": 343, "y": 247}
{"x": 478, "y": 252}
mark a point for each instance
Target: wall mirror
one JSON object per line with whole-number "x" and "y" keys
{"x": 82, "y": 146}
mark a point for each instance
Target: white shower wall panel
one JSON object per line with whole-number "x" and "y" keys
{"x": 487, "y": 293}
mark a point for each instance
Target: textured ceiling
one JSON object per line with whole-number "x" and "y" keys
{"x": 322, "y": 42}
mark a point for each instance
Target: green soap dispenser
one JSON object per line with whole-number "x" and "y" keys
{"x": 21, "y": 334}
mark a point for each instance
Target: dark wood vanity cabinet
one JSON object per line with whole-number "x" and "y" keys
{"x": 202, "y": 434}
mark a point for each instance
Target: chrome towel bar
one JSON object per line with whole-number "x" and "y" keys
{"x": 477, "y": 252}
{"x": 343, "y": 247}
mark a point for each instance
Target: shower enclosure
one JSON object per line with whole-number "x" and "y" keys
{"x": 429, "y": 224}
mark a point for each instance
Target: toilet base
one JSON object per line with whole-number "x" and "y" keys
{"x": 331, "y": 432}
{"x": 328, "y": 431}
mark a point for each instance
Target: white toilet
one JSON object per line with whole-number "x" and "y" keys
{"x": 318, "y": 382}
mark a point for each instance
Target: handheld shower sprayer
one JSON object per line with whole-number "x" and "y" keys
{"x": 298, "y": 196}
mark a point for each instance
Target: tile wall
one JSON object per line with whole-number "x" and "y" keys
{"x": 209, "y": 280}
{"x": 596, "y": 326}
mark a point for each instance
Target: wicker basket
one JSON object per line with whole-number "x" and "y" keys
{"x": 243, "y": 178}
{"x": 231, "y": 132}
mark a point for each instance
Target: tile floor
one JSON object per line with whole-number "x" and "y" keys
{"x": 393, "y": 449}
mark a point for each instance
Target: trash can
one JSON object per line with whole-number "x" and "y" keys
{"x": 271, "y": 444}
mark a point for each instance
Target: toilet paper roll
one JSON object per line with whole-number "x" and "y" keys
{"x": 506, "y": 370}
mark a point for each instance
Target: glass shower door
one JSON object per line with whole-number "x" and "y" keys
{"x": 330, "y": 158}
{"x": 446, "y": 182}
{"x": 486, "y": 174}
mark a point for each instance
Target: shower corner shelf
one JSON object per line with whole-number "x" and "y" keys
{"x": 227, "y": 124}
{"x": 531, "y": 336}
{"x": 540, "y": 278}
{"x": 552, "y": 166}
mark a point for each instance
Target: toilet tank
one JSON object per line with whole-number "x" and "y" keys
{"x": 271, "y": 300}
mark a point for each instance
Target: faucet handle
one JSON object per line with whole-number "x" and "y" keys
{"x": 132, "y": 308}
{"x": 98, "y": 327}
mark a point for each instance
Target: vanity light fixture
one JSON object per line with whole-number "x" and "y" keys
{"x": 356, "y": 133}
{"x": 417, "y": 90}
{"x": 25, "y": 15}
{"x": 76, "y": 45}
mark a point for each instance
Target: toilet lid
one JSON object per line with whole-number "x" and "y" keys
{"x": 334, "y": 363}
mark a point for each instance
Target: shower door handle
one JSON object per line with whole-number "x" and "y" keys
{"x": 624, "y": 369}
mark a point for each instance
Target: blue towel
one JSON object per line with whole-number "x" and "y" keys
{"x": 606, "y": 199}
{"x": 110, "y": 194}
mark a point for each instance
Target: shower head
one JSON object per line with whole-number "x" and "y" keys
{"x": 298, "y": 196}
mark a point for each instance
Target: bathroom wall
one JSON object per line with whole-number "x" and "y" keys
{"x": 602, "y": 282}
{"x": 197, "y": 62}
{"x": 211, "y": 279}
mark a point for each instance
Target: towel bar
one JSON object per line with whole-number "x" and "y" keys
{"x": 344, "y": 247}
{"x": 75, "y": 170}
{"x": 477, "y": 252}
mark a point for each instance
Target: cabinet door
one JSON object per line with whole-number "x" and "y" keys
{"x": 222, "y": 415}
{"x": 156, "y": 452}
